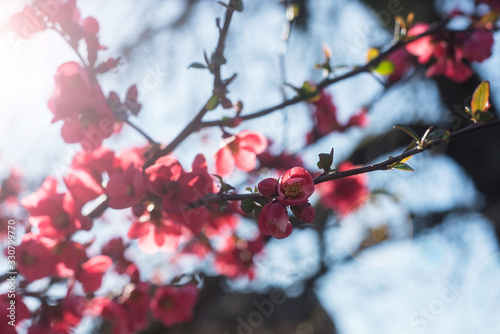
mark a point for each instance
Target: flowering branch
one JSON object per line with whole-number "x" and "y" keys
{"x": 383, "y": 165}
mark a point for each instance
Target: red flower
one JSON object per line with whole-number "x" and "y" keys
{"x": 346, "y": 194}
{"x": 135, "y": 300}
{"x": 241, "y": 150}
{"x": 401, "y": 59}
{"x": 296, "y": 185}
{"x": 80, "y": 103}
{"x": 360, "y": 119}
{"x": 188, "y": 188}
{"x": 56, "y": 215}
{"x": 172, "y": 305}
{"x": 97, "y": 162}
{"x": 477, "y": 47}
{"x": 236, "y": 259}
{"x": 452, "y": 50}
{"x": 325, "y": 115}
{"x": 92, "y": 271}
{"x": 126, "y": 189}
{"x": 82, "y": 186}
{"x": 273, "y": 220}
{"x": 113, "y": 313}
{"x": 156, "y": 234}
{"x": 166, "y": 170}
{"x": 35, "y": 259}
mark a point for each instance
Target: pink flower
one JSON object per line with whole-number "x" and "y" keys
{"x": 172, "y": 305}
{"x": 55, "y": 214}
{"x": 423, "y": 48}
{"x": 346, "y": 194}
{"x": 82, "y": 186}
{"x": 126, "y": 189}
{"x": 35, "y": 259}
{"x": 477, "y": 47}
{"x": 268, "y": 187}
{"x": 452, "y": 50}
{"x": 325, "y": 114}
{"x": 236, "y": 259}
{"x": 160, "y": 176}
{"x": 296, "y": 185}
{"x": 401, "y": 59}
{"x": 80, "y": 103}
{"x": 273, "y": 220}
{"x": 157, "y": 234}
{"x": 92, "y": 271}
{"x": 241, "y": 150}
{"x": 27, "y": 22}
{"x": 360, "y": 119}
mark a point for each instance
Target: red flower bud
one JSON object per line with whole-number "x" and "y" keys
{"x": 305, "y": 212}
{"x": 268, "y": 187}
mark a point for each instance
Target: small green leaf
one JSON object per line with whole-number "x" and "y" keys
{"x": 248, "y": 205}
{"x": 408, "y": 131}
{"x": 485, "y": 117}
{"x": 308, "y": 91}
{"x": 249, "y": 189}
{"x": 481, "y": 98}
{"x": 325, "y": 161}
{"x": 403, "y": 166}
{"x": 197, "y": 65}
{"x": 212, "y": 103}
{"x": 412, "y": 145}
{"x": 439, "y": 135}
{"x": 386, "y": 67}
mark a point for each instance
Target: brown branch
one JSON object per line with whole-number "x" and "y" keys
{"x": 327, "y": 82}
{"x": 383, "y": 165}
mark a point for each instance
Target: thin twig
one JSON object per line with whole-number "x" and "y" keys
{"x": 383, "y": 165}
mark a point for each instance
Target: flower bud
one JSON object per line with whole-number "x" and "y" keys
{"x": 268, "y": 187}
{"x": 305, "y": 212}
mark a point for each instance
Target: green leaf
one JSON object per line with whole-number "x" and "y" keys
{"x": 249, "y": 189}
{"x": 386, "y": 67}
{"x": 412, "y": 145}
{"x": 485, "y": 117}
{"x": 197, "y": 65}
{"x": 325, "y": 161}
{"x": 248, "y": 205}
{"x": 408, "y": 131}
{"x": 403, "y": 166}
{"x": 212, "y": 103}
{"x": 481, "y": 98}
{"x": 439, "y": 135}
{"x": 308, "y": 91}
